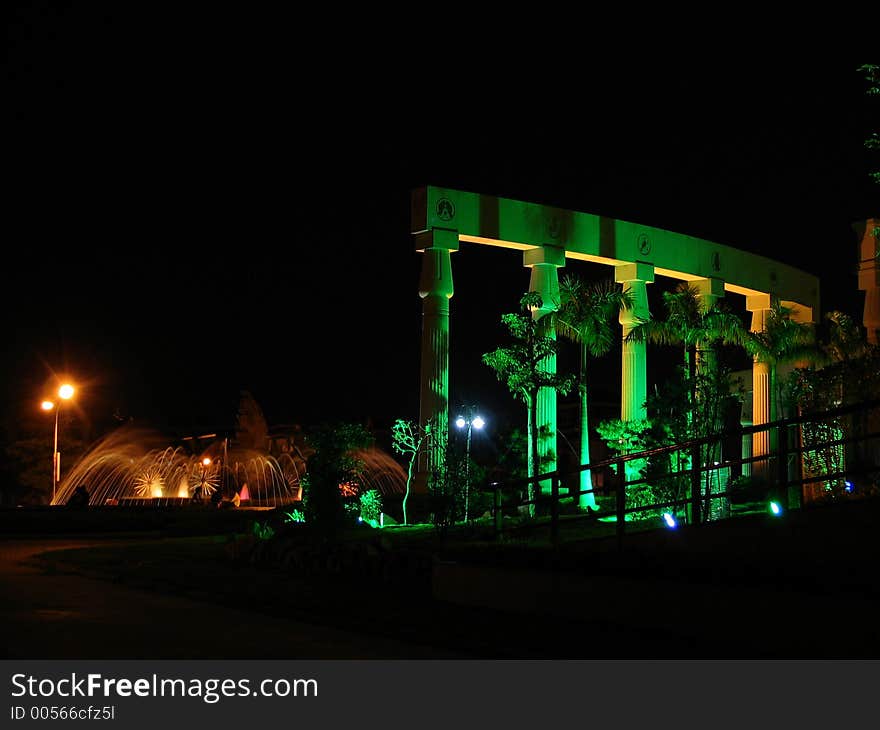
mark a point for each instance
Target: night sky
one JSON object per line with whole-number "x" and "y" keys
{"x": 198, "y": 207}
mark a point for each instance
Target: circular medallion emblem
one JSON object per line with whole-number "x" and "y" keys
{"x": 445, "y": 209}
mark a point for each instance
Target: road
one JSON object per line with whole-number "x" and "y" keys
{"x": 64, "y": 616}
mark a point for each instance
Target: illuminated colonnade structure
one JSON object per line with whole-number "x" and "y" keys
{"x": 869, "y": 276}
{"x": 547, "y": 236}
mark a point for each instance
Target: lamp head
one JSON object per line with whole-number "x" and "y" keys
{"x": 460, "y": 422}
{"x": 66, "y": 391}
{"x": 47, "y": 405}
{"x": 478, "y": 422}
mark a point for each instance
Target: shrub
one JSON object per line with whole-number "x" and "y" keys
{"x": 371, "y": 506}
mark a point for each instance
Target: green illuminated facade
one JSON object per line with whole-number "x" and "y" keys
{"x": 547, "y": 236}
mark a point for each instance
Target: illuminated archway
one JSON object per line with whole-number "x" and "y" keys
{"x": 547, "y": 236}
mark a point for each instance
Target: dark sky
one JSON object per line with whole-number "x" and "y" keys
{"x": 197, "y": 206}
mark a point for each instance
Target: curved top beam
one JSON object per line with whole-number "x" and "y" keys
{"x": 493, "y": 221}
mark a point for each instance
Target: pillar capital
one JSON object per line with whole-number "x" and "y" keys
{"x": 437, "y": 238}
{"x": 635, "y": 278}
{"x": 552, "y": 255}
{"x": 544, "y": 263}
{"x": 709, "y": 288}
{"x": 634, "y": 272}
{"x": 436, "y": 278}
{"x": 757, "y": 302}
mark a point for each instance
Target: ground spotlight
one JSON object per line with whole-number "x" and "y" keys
{"x": 670, "y": 520}
{"x": 775, "y": 508}
{"x": 849, "y": 486}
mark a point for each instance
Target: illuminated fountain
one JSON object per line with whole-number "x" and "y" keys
{"x": 132, "y": 465}
{"x": 380, "y": 471}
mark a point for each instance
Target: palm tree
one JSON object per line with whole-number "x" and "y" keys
{"x": 846, "y": 341}
{"x": 698, "y": 328}
{"x": 522, "y": 367}
{"x": 782, "y": 341}
{"x": 585, "y": 316}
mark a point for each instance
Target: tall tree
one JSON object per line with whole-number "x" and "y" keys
{"x": 521, "y": 367}
{"x": 586, "y": 315}
{"x": 690, "y": 323}
{"x": 783, "y": 341}
{"x": 872, "y": 76}
{"x": 410, "y": 439}
{"x": 700, "y": 329}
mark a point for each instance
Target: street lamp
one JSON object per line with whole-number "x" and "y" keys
{"x": 65, "y": 392}
{"x": 469, "y": 422}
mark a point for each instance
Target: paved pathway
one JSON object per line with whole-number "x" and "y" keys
{"x": 63, "y": 616}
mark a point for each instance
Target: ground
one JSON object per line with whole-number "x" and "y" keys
{"x": 800, "y": 586}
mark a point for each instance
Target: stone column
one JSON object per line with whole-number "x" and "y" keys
{"x": 869, "y": 276}
{"x": 544, "y": 279}
{"x": 710, "y": 291}
{"x": 633, "y": 392}
{"x": 759, "y": 305}
{"x": 435, "y": 289}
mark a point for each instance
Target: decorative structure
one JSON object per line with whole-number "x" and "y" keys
{"x": 869, "y": 275}
{"x": 547, "y": 236}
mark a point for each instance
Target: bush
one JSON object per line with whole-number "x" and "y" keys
{"x": 371, "y": 506}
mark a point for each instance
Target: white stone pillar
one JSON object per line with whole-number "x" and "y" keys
{"x": 634, "y": 373}
{"x": 710, "y": 291}
{"x": 759, "y": 305}
{"x": 544, "y": 279}
{"x": 435, "y": 289}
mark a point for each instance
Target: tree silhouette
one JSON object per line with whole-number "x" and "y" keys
{"x": 520, "y": 367}
{"x": 410, "y": 439}
{"x": 586, "y": 315}
{"x": 782, "y": 341}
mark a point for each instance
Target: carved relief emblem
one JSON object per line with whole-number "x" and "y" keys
{"x": 445, "y": 209}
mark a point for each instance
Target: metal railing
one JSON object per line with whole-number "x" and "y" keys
{"x": 780, "y": 468}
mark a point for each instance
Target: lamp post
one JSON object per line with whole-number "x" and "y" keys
{"x": 65, "y": 392}
{"x": 471, "y": 421}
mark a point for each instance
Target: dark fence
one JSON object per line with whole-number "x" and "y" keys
{"x": 833, "y": 453}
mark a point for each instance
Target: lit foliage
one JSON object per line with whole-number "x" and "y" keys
{"x": 691, "y": 324}
{"x": 410, "y": 439}
{"x": 586, "y": 315}
{"x": 332, "y": 464}
{"x": 850, "y": 374}
{"x": 263, "y": 530}
{"x": 371, "y": 506}
{"x": 630, "y": 437}
{"x": 872, "y": 76}
{"x": 522, "y": 367}
{"x": 295, "y": 515}
{"x": 782, "y": 341}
